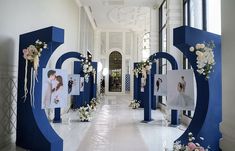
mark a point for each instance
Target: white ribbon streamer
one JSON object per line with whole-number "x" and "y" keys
{"x": 25, "y": 81}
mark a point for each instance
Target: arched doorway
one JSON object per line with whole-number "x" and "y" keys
{"x": 115, "y": 72}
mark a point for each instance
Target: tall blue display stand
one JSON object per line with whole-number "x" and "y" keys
{"x": 137, "y": 85}
{"x": 174, "y": 65}
{"x": 147, "y": 99}
{"x": 207, "y": 116}
{"x": 153, "y": 97}
{"x": 59, "y": 63}
{"x": 33, "y": 131}
{"x": 138, "y": 95}
{"x": 89, "y": 87}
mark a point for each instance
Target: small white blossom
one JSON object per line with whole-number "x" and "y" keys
{"x": 191, "y": 49}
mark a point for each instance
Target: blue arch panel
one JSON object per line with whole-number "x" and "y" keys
{"x": 174, "y": 65}
{"x": 167, "y": 56}
{"x": 208, "y": 110}
{"x": 33, "y": 129}
{"x": 59, "y": 63}
{"x": 66, "y": 56}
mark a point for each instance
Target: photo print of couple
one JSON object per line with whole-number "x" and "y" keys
{"x": 74, "y": 84}
{"x": 54, "y": 88}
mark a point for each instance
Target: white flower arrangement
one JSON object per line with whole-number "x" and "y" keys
{"x": 191, "y": 146}
{"x": 134, "y": 104}
{"x": 85, "y": 113}
{"x": 143, "y": 68}
{"x": 32, "y": 54}
{"x": 87, "y": 69}
{"x": 93, "y": 103}
{"x": 205, "y": 58}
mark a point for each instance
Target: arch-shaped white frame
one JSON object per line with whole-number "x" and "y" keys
{"x": 123, "y": 71}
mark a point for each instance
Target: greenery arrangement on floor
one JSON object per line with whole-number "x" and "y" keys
{"x": 135, "y": 104}
{"x": 191, "y": 146}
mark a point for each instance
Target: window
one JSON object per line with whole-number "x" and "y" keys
{"x": 213, "y": 15}
{"x": 86, "y": 34}
{"x": 163, "y": 41}
{"x": 203, "y": 14}
{"x": 196, "y": 17}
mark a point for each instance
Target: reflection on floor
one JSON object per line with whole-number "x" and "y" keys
{"x": 114, "y": 127}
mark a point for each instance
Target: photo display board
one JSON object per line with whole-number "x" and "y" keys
{"x": 74, "y": 84}
{"x": 54, "y": 88}
{"x": 160, "y": 85}
{"x": 180, "y": 90}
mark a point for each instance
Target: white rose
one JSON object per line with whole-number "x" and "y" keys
{"x": 211, "y": 61}
{"x": 202, "y": 46}
{"x": 45, "y": 46}
{"x": 200, "y": 55}
{"x": 85, "y": 70}
{"x": 198, "y": 46}
{"x": 191, "y": 49}
{"x": 90, "y": 68}
{"x": 85, "y": 66}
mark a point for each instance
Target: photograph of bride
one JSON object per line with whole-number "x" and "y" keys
{"x": 180, "y": 88}
{"x": 54, "y": 88}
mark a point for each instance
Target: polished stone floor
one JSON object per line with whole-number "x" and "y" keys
{"x": 115, "y": 127}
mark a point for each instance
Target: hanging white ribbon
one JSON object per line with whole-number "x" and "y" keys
{"x": 94, "y": 76}
{"x": 25, "y": 80}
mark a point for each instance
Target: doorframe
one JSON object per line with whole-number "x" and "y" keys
{"x": 123, "y": 72}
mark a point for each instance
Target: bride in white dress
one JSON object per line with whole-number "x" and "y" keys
{"x": 57, "y": 93}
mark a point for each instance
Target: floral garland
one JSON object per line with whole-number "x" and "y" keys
{"x": 88, "y": 69}
{"x": 32, "y": 54}
{"x": 135, "y": 104}
{"x": 142, "y": 68}
{"x": 93, "y": 103}
{"x": 205, "y": 58}
{"x": 191, "y": 145}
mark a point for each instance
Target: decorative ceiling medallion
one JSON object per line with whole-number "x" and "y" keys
{"x": 130, "y": 16}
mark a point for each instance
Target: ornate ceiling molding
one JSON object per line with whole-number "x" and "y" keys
{"x": 137, "y": 17}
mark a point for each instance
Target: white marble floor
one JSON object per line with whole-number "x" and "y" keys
{"x": 115, "y": 127}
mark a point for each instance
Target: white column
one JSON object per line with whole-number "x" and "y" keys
{"x": 96, "y": 56}
{"x": 134, "y": 52}
{"x": 227, "y": 126}
{"x": 154, "y": 28}
{"x": 123, "y": 61}
{"x": 174, "y": 19}
{"x": 97, "y": 45}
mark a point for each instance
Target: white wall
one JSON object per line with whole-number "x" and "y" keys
{"x": 18, "y": 17}
{"x": 228, "y": 35}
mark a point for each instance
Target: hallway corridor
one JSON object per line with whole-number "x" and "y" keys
{"x": 116, "y": 127}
